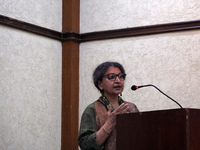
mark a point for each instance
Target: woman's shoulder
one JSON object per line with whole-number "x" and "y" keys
{"x": 90, "y": 107}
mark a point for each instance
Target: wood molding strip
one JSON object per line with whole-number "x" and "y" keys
{"x": 71, "y": 36}
{"x": 140, "y": 31}
{"x": 30, "y": 28}
{"x": 101, "y": 35}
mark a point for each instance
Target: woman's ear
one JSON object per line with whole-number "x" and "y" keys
{"x": 100, "y": 85}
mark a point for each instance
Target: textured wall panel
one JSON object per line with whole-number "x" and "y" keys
{"x": 43, "y": 13}
{"x": 115, "y": 14}
{"x": 30, "y": 89}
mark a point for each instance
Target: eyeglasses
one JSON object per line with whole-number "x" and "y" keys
{"x": 112, "y": 76}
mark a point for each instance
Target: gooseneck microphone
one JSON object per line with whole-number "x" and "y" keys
{"x": 134, "y": 87}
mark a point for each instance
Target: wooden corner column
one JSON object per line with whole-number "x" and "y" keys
{"x": 70, "y": 77}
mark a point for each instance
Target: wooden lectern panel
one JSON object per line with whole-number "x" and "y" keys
{"x": 177, "y": 129}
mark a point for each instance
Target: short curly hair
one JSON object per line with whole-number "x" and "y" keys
{"x": 101, "y": 70}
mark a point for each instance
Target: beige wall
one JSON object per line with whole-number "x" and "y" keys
{"x": 30, "y": 78}
{"x": 97, "y": 15}
{"x": 169, "y": 61}
{"x": 44, "y": 13}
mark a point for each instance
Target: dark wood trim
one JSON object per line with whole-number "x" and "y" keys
{"x": 70, "y": 75}
{"x": 73, "y": 34}
{"x": 140, "y": 31}
{"x": 30, "y": 27}
{"x": 70, "y": 95}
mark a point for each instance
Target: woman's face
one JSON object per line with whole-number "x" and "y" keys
{"x": 110, "y": 86}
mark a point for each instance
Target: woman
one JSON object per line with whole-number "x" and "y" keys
{"x": 97, "y": 129}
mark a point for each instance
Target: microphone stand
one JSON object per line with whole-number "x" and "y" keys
{"x": 161, "y": 92}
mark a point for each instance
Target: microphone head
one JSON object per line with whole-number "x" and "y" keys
{"x": 134, "y": 87}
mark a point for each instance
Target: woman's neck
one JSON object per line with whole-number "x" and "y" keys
{"x": 112, "y": 99}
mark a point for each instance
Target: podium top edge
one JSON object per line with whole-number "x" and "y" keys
{"x": 187, "y": 110}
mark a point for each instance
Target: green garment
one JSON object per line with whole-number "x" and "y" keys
{"x": 88, "y": 129}
{"x": 88, "y": 126}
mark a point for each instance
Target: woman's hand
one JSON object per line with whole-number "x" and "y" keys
{"x": 111, "y": 118}
{"x": 110, "y": 123}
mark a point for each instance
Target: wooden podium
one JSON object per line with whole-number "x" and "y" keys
{"x": 175, "y": 129}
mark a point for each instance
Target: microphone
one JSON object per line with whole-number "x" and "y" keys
{"x": 134, "y": 87}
